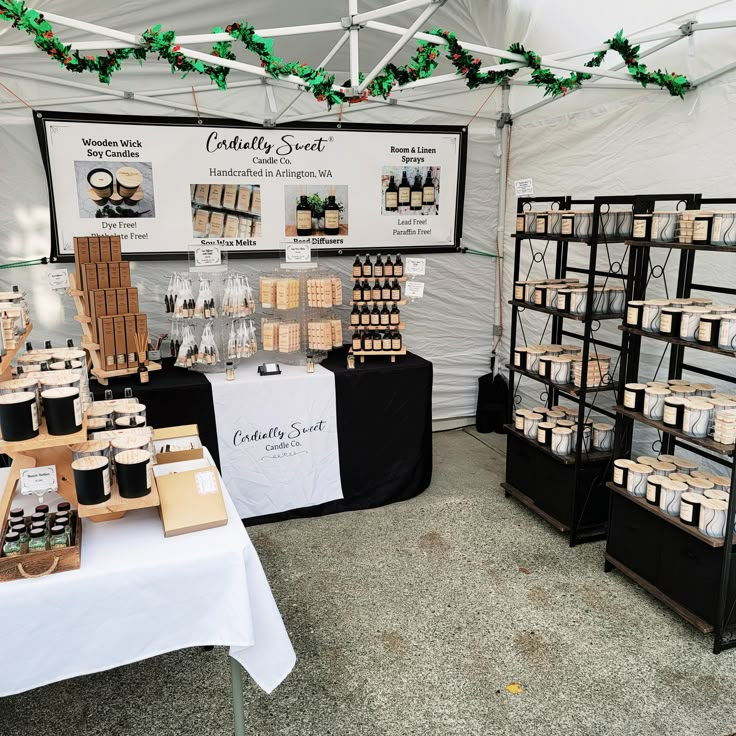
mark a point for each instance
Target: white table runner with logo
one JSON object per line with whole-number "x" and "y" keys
{"x": 278, "y": 438}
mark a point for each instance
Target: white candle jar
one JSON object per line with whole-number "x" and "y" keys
{"x": 603, "y": 436}
{"x": 670, "y": 496}
{"x": 654, "y": 402}
{"x": 636, "y": 481}
{"x": 713, "y": 516}
{"x": 561, "y": 441}
{"x": 696, "y": 418}
{"x": 616, "y": 299}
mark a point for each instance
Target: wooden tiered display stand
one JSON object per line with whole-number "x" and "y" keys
{"x": 56, "y": 450}
{"x": 92, "y": 347}
{"x": 380, "y": 302}
{"x": 7, "y": 359}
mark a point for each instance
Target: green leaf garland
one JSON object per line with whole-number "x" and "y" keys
{"x": 318, "y": 81}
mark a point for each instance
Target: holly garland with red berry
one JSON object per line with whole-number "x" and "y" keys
{"x": 318, "y": 81}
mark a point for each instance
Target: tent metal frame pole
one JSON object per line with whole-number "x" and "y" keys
{"x": 389, "y": 10}
{"x": 642, "y": 55}
{"x": 354, "y": 44}
{"x": 131, "y": 96}
{"x": 504, "y": 123}
{"x": 715, "y": 74}
{"x": 427, "y": 13}
{"x": 330, "y": 56}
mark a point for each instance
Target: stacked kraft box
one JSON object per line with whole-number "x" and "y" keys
{"x": 110, "y": 301}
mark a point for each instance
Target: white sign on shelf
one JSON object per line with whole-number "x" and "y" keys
{"x": 524, "y": 188}
{"x": 59, "y": 279}
{"x": 207, "y": 255}
{"x": 298, "y": 253}
{"x": 416, "y": 266}
{"x": 38, "y": 480}
{"x": 414, "y": 289}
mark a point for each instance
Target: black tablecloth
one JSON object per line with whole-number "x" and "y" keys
{"x": 172, "y": 396}
{"x": 384, "y": 430}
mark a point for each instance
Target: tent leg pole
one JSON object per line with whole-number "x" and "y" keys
{"x": 504, "y": 124}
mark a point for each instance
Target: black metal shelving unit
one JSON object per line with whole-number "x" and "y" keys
{"x": 569, "y": 492}
{"x": 692, "y": 574}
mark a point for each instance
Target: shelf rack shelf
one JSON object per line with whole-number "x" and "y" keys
{"x": 581, "y": 483}
{"x": 692, "y": 574}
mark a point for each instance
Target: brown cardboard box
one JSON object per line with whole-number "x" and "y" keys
{"x": 141, "y": 327}
{"x": 130, "y": 341}
{"x": 124, "y": 274}
{"x": 133, "y": 300}
{"x": 191, "y": 501}
{"x": 89, "y": 281}
{"x": 94, "y": 250}
{"x": 106, "y": 333}
{"x": 111, "y": 304}
{"x": 113, "y": 273}
{"x": 176, "y": 436}
{"x": 122, "y": 299}
{"x": 97, "y": 309}
{"x": 105, "y": 255}
{"x": 81, "y": 256}
{"x": 103, "y": 277}
{"x": 121, "y": 348}
{"x": 115, "y": 249}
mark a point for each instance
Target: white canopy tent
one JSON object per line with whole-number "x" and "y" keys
{"x": 612, "y": 136}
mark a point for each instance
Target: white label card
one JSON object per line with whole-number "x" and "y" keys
{"x": 524, "y": 188}
{"x": 298, "y": 253}
{"x": 416, "y": 266}
{"x": 414, "y": 289}
{"x": 38, "y": 480}
{"x": 59, "y": 279}
{"x": 206, "y": 482}
{"x": 207, "y": 255}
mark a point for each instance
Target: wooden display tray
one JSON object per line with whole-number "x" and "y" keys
{"x": 593, "y": 455}
{"x": 566, "y": 315}
{"x": 681, "y": 246}
{"x": 602, "y": 238}
{"x": 706, "y": 442}
{"x": 674, "y": 520}
{"x": 678, "y": 341}
{"x": 399, "y": 279}
{"x": 45, "y": 441}
{"x": 565, "y": 388}
{"x": 40, "y": 564}
{"x": 103, "y": 376}
{"x": 118, "y": 506}
{"x": 7, "y": 359}
{"x": 400, "y": 326}
{"x": 392, "y": 353}
{"x": 361, "y": 303}
{"x": 686, "y": 613}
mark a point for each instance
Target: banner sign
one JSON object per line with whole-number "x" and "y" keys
{"x": 165, "y": 184}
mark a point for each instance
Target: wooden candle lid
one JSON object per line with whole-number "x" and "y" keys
{"x": 92, "y": 462}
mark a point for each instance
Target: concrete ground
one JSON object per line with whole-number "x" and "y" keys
{"x": 458, "y": 612}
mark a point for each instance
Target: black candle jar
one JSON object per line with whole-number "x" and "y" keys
{"x": 642, "y": 227}
{"x": 634, "y": 396}
{"x": 133, "y": 471}
{"x": 92, "y": 479}
{"x": 18, "y": 416}
{"x": 669, "y": 321}
{"x": 62, "y": 408}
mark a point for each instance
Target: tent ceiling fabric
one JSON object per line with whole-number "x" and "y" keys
{"x": 592, "y": 142}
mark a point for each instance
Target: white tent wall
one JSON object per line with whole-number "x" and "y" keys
{"x": 451, "y": 326}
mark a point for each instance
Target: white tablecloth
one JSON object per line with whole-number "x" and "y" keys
{"x": 139, "y": 594}
{"x": 277, "y": 437}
